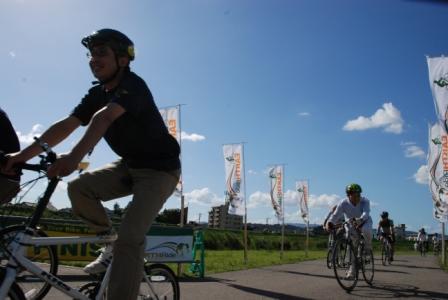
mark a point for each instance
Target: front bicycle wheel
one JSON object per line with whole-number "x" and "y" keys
{"x": 43, "y": 256}
{"x": 159, "y": 282}
{"x": 367, "y": 265}
{"x": 330, "y": 258}
{"x": 15, "y": 292}
{"x": 344, "y": 264}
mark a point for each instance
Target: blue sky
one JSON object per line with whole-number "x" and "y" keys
{"x": 336, "y": 90}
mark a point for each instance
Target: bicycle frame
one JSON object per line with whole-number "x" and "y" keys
{"x": 18, "y": 260}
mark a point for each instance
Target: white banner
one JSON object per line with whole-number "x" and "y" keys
{"x": 302, "y": 189}
{"x": 438, "y": 170}
{"x": 234, "y": 167}
{"x": 276, "y": 180}
{"x": 438, "y": 81}
{"x": 171, "y": 117}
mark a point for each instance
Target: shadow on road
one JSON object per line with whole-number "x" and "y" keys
{"x": 389, "y": 271}
{"x": 247, "y": 289}
{"x": 386, "y": 290}
{"x": 414, "y": 267}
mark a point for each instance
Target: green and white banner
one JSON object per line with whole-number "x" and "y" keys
{"x": 234, "y": 168}
{"x": 438, "y": 170}
{"x": 276, "y": 180}
{"x": 171, "y": 117}
{"x": 302, "y": 189}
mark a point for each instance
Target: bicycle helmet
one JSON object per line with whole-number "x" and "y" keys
{"x": 118, "y": 41}
{"x": 384, "y": 214}
{"x": 353, "y": 188}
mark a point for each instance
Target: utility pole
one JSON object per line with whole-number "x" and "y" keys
{"x": 199, "y": 219}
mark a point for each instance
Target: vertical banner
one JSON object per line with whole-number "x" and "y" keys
{"x": 438, "y": 81}
{"x": 171, "y": 117}
{"x": 437, "y": 161}
{"x": 234, "y": 167}
{"x": 302, "y": 189}
{"x": 276, "y": 179}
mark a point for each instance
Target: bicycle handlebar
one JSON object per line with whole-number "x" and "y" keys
{"x": 42, "y": 166}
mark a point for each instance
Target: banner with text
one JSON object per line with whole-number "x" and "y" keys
{"x": 437, "y": 158}
{"x": 234, "y": 168}
{"x": 171, "y": 117}
{"x": 302, "y": 189}
{"x": 276, "y": 180}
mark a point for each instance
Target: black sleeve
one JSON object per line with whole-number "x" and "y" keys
{"x": 88, "y": 106}
{"x": 9, "y": 142}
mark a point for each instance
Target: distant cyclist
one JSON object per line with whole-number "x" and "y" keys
{"x": 422, "y": 240}
{"x": 436, "y": 243}
{"x": 354, "y": 206}
{"x": 386, "y": 231}
{"x": 9, "y": 143}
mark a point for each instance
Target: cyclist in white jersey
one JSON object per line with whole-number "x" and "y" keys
{"x": 358, "y": 207}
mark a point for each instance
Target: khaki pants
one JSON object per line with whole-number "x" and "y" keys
{"x": 150, "y": 189}
{"x": 8, "y": 189}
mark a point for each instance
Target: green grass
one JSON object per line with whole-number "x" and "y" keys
{"x": 217, "y": 261}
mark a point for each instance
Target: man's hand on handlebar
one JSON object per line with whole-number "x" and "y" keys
{"x": 64, "y": 165}
{"x": 11, "y": 160}
{"x": 330, "y": 226}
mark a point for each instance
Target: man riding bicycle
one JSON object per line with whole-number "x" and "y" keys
{"x": 120, "y": 108}
{"x": 386, "y": 231}
{"x": 422, "y": 240}
{"x": 354, "y": 207}
{"x": 9, "y": 143}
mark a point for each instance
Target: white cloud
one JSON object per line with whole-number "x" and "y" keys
{"x": 304, "y": 114}
{"x": 12, "y": 54}
{"x": 387, "y": 117}
{"x": 323, "y": 201}
{"x": 414, "y": 151}
{"x": 258, "y": 199}
{"x": 28, "y": 138}
{"x": 194, "y": 137}
{"x": 252, "y": 172}
{"x": 422, "y": 175}
{"x": 204, "y": 197}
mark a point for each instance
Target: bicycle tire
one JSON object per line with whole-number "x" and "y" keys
{"x": 33, "y": 287}
{"x": 15, "y": 292}
{"x": 383, "y": 255}
{"x": 159, "y": 283}
{"x": 344, "y": 258}
{"x": 367, "y": 265}
{"x": 330, "y": 258}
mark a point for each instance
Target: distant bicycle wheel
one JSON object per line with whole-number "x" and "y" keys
{"x": 344, "y": 264}
{"x": 385, "y": 254}
{"x": 45, "y": 256}
{"x": 159, "y": 282}
{"x": 330, "y": 258}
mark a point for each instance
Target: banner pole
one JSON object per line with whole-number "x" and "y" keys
{"x": 443, "y": 244}
{"x": 283, "y": 212}
{"x": 245, "y": 211}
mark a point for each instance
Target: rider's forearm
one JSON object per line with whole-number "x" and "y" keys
{"x": 94, "y": 133}
{"x": 57, "y": 132}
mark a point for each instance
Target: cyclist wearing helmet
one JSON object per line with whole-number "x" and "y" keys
{"x": 9, "y": 142}
{"x": 120, "y": 108}
{"x": 386, "y": 230}
{"x": 354, "y": 207}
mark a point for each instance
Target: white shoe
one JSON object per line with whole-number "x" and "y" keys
{"x": 349, "y": 275}
{"x": 100, "y": 264}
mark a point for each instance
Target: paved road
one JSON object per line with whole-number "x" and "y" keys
{"x": 410, "y": 277}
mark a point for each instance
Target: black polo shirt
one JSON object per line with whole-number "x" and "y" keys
{"x": 9, "y": 142}
{"x": 139, "y": 135}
